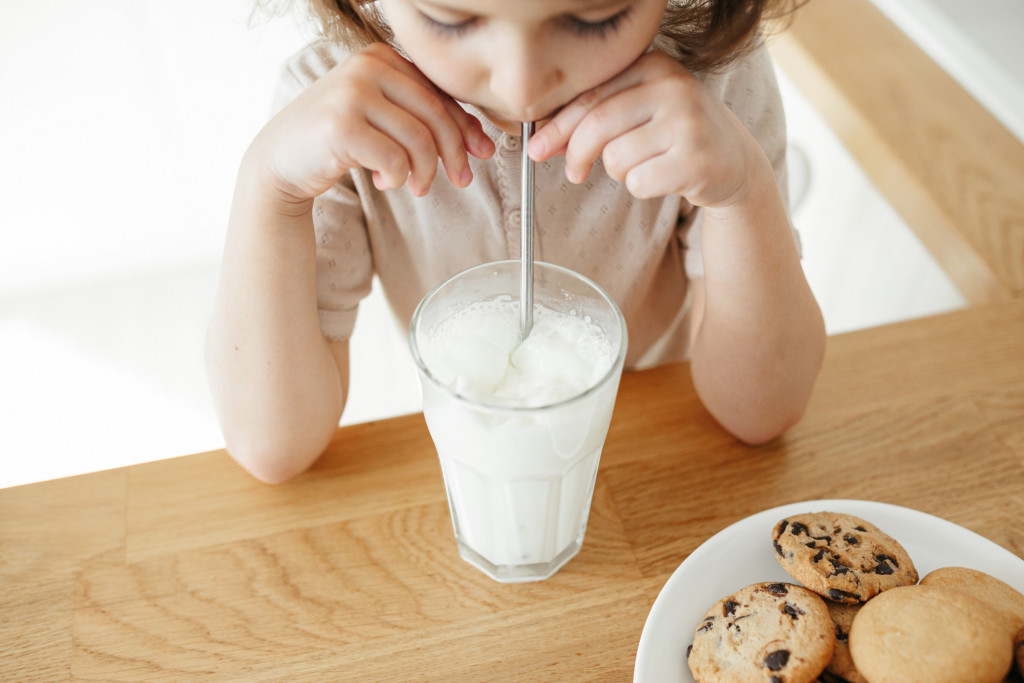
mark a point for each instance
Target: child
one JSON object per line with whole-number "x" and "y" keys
{"x": 660, "y": 151}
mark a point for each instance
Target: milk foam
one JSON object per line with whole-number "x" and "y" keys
{"x": 479, "y": 352}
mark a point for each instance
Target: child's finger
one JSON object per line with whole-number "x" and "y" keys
{"x": 656, "y": 176}
{"x": 631, "y": 149}
{"x": 473, "y": 135}
{"x": 415, "y": 138}
{"x": 554, "y": 136}
{"x": 664, "y": 174}
{"x": 603, "y": 124}
{"x": 430, "y": 111}
{"x": 455, "y": 131}
{"x": 473, "y": 140}
{"x": 385, "y": 157}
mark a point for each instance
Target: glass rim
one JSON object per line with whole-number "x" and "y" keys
{"x": 613, "y": 370}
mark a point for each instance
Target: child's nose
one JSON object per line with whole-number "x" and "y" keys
{"x": 525, "y": 84}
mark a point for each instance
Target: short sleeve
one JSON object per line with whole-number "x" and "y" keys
{"x": 344, "y": 264}
{"x": 749, "y": 88}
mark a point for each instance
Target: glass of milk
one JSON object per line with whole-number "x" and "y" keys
{"x": 518, "y": 425}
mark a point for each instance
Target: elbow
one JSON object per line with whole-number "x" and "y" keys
{"x": 761, "y": 421}
{"x": 761, "y": 432}
{"x": 268, "y": 462}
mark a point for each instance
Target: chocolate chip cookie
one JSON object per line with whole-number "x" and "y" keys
{"x": 841, "y": 557}
{"x": 770, "y": 632}
{"x": 842, "y": 666}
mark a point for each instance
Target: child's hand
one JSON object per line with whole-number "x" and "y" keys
{"x": 659, "y": 130}
{"x": 374, "y": 110}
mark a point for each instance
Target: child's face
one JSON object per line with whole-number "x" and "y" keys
{"x": 521, "y": 60}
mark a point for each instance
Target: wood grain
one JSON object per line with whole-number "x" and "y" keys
{"x": 188, "y": 569}
{"x": 952, "y": 171}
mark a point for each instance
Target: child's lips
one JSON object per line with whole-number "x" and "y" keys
{"x": 514, "y": 125}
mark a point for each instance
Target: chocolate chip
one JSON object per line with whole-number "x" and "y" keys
{"x": 837, "y": 565}
{"x": 776, "y": 660}
{"x": 860, "y": 528}
{"x": 778, "y": 549}
{"x": 820, "y": 556}
{"x": 706, "y": 626}
{"x": 883, "y": 565}
{"x": 689, "y": 648}
{"x": 793, "y": 611}
{"x": 735, "y": 622}
{"x": 777, "y": 589}
{"x": 841, "y": 596}
{"x": 851, "y": 539}
{"x": 782, "y": 526}
{"x": 826, "y": 538}
{"x": 775, "y": 679}
{"x": 798, "y": 528}
{"x": 841, "y": 635}
{"x": 730, "y": 607}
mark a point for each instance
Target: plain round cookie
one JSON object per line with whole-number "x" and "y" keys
{"x": 842, "y": 665}
{"x": 1004, "y": 600}
{"x": 929, "y": 634}
{"x": 841, "y": 557}
{"x": 771, "y": 632}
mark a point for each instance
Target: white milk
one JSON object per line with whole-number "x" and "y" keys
{"x": 519, "y": 481}
{"x": 479, "y": 352}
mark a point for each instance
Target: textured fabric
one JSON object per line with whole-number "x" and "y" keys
{"x": 642, "y": 252}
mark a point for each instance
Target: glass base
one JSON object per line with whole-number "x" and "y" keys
{"x": 520, "y": 573}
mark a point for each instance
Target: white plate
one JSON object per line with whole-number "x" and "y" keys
{"x": 741, "y": 554}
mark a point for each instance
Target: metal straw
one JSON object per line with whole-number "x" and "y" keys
{"x": 526, "y": 253}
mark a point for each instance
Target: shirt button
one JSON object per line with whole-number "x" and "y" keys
{"x": 515, "y": 218}
{"x": 511, "y": 143}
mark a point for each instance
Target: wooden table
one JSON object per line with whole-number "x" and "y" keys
{"x": 188, "y": 568}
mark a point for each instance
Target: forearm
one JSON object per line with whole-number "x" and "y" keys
{"x": 760, "y": 340}
{"x": 276, "y": 387}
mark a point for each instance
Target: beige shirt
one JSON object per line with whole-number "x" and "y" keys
{"x": 642, "y": 252}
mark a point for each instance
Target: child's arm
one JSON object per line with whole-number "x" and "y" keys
{"x": 758, "y": 335}
{"x": 278, "y": 384}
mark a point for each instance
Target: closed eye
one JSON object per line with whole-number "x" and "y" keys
{"x": 450, "y": 30}
{"x": 581, "y": 27}
{"x": 595, "y": 29}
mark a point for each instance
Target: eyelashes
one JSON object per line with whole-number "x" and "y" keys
{"x": 575, "y": 25}
{"x": 449, "y": 30}
{"x": 595, "y": 29}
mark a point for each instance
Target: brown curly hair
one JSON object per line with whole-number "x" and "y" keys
{"x": 707, "y": 34}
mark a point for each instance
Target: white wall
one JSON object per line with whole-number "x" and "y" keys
{"x": 122, "y": 123}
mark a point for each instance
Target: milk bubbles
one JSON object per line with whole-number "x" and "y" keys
{"x": 479, "y": 353}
